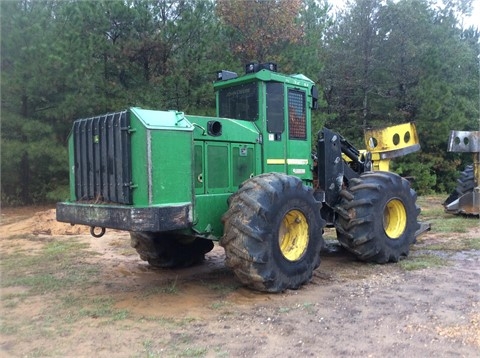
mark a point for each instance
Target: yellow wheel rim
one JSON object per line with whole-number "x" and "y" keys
{"x": 394, "y": 219}
{"x": 293, "y": 235}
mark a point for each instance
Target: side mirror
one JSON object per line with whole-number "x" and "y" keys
{"x": 314, "y": 97}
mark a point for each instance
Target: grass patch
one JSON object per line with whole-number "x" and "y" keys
{"x": 453, "y": 224}
{"x": 56, "y": 271}
{"x": 170, "y": 287}
{"x": 222, "y": 288}
{"x": 218, "y": 304}
{"x": 431, "y": 205}
{"x": 161, "y": 321}
{"x": 99, "y": 307}
{"x": 38, "y": 352}
{"x": 78, "y": 307}
{"x": 442, "y": 222}
{"x": 56, "y": 266}
{"x": 193, "y": 352}
{"x": 432, "y": 212}
{"x": 306, "y": 306}
{"x": 179, "y": 346}
{"x": 456, "y": 244}
{"x": 309, "y": 307}
{"x": 58, "y": 318}
{"x": 60, "y": 248}
{"x": 29, "y": 237}
{"x": 432, "y": 200}
{"x": 169, "y": 322}
{"x": 149, "y": 350}
{"x": 11, "y": 300}
{"x": 8, "y": 328}
{"x": 127, "y": 252}
{"x": 422, "y": 262}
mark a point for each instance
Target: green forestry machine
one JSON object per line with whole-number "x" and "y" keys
{"x": 247, "y": 178}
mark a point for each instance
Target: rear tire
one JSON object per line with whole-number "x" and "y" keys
{"x": 377, "y": 217}
{"x": 169, "y": 250}
{"x": 273, "y": 233}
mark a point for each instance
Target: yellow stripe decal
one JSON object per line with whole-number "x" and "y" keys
{"x": 275, "y": 161}
{"x": 288, "y": 161}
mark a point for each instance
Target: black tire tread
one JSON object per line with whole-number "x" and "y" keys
{"x": 357, "y": 223}
{"x": 247, "y": 237}
{"x": 465, "y": 184}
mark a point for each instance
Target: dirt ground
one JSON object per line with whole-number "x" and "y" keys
{"x": 124, "y": 308}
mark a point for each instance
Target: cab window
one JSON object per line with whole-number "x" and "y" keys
{"x": 239, "y": 102}
{"x": 297, "y": 122}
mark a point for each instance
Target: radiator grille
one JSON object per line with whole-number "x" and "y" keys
{"x": 102, "y": 158}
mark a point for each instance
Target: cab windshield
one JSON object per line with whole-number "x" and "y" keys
{"x": 239, "y": 102}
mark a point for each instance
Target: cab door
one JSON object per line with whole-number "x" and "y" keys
{"x": 275, "y": 141}
{"x": 298, "y": 133}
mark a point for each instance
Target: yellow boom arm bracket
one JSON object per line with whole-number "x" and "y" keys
{"x": 391, "y": 142}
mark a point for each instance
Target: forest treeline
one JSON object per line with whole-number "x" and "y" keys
{"x": 376, "y": 63}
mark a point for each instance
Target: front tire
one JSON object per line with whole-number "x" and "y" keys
{"x": 377, "y": 217}
{"x": 273, "y": 233}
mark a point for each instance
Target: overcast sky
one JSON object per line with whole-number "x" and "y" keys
{"x": 473, "y": 20}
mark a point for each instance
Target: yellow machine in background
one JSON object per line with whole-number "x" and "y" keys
{"x": 465, "y": 199}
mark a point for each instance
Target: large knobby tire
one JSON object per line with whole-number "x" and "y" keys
{"x": 465, "y": 184}
{"x": 377, "y": 217}
{"x": 273, "y": 233}
{"x": 168, "y": 250}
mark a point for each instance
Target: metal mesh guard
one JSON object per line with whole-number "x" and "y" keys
{"x": 102, "y": 158}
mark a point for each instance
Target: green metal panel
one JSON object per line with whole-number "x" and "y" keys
{"x": 198, "y": 167}
{"x": 227, "y": 165}
{"x": 140, "y": 149}
{"x": 162, "y": 153}
{"x": 232, "y": 130}
{"x": 218, "y": 168}
{"x": 209, "y": 209}
{"x": 171, "y": 167}
{"x": 222, "y": 163}
{"x": 162, "y": 119}
{"x": 243, "y": 163}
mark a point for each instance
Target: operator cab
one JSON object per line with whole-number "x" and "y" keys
{"x": 239, "y": 99}
{"x": 280, "y": 106}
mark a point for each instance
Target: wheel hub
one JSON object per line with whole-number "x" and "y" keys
{"x": 394, "y": 219}
{"x": 293, "y": 235}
